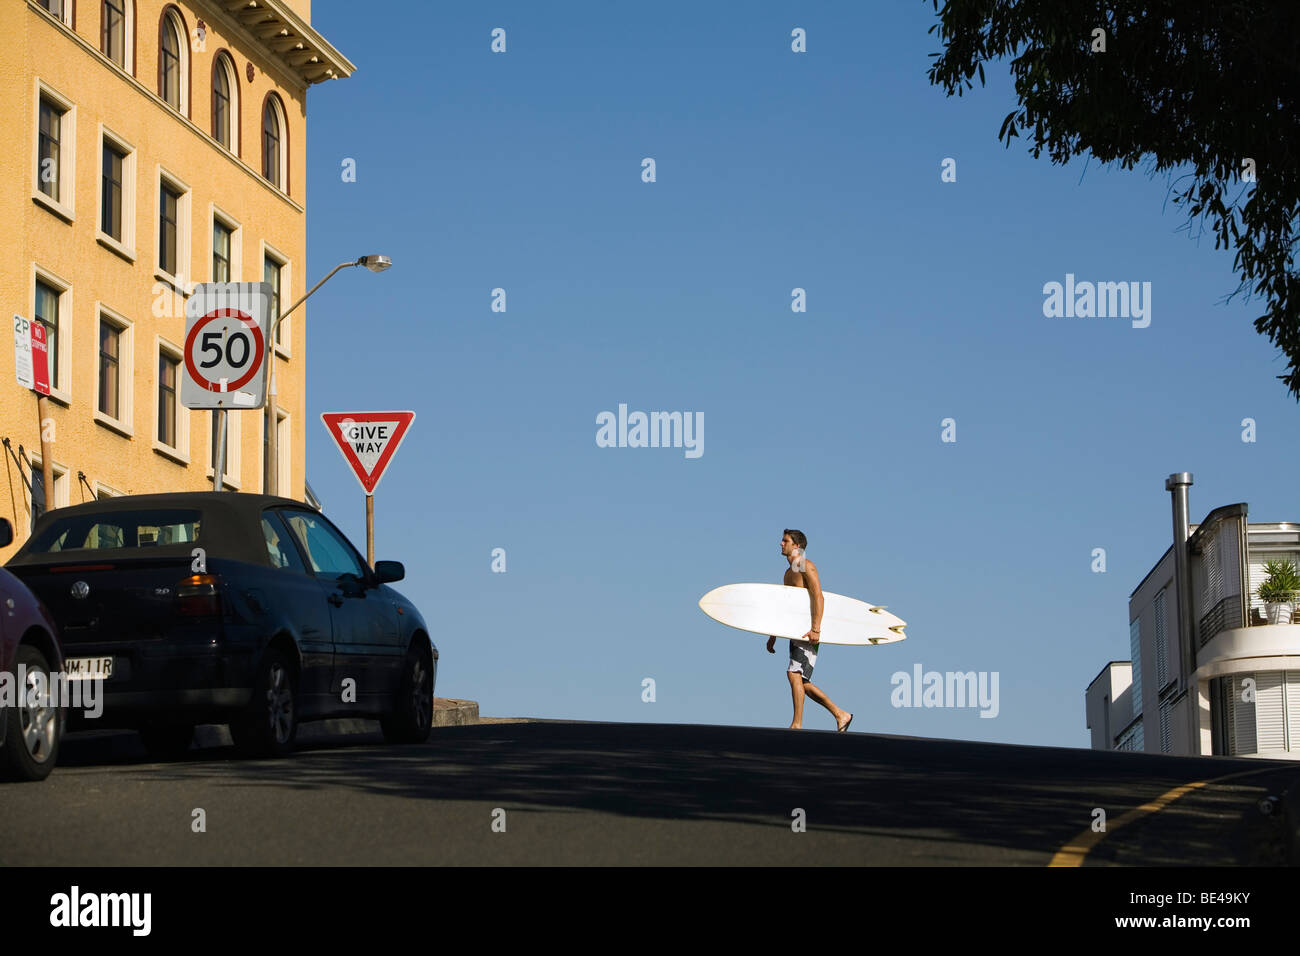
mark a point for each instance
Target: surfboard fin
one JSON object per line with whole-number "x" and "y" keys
{"x": 879, "y": 608}
{"x": 898, "y": 628}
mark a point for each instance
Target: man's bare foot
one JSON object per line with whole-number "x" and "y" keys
{"x": 796, "y": 727}
{"x": 843, "y": 720}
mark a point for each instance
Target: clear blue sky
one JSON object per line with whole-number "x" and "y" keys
{"x": 775, "y": 170}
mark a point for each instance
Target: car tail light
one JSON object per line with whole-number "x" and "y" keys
{"x": 197, "y": 596}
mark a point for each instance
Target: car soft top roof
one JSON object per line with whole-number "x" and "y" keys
{"x": 223, "y": 514}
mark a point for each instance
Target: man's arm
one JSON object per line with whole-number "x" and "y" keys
{"x": 816, "y": 603}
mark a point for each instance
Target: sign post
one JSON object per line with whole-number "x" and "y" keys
{"x": 32, "y": 366}
{"x": 368, "y": 441}
{"x": 225, "y": 354}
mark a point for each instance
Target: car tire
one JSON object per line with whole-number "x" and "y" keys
{"x": 270, "y": 725}
{"x": 412, "y": 716}
{"x": 166, "y": 741}
{"x": 32, "y": 736}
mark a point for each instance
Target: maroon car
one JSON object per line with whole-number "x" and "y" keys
{"x": 29, "y": 644}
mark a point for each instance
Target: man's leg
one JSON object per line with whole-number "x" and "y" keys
{"x": 813, "y": 691}
{"x": 796, "y": 689}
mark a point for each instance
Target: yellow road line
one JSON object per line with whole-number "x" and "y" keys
{"x": 1074, "y": 852}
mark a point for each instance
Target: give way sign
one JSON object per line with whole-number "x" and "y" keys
{"x": 368, "y": 440}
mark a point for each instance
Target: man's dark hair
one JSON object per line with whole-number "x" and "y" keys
{"x": 798, "y": 537}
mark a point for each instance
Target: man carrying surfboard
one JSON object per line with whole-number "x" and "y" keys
{"x": 802, "y": 573}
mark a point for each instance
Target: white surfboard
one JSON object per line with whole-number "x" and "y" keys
{"x": 783, "y": 611}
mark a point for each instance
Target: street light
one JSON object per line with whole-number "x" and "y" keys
{"x": 271, "y": 471}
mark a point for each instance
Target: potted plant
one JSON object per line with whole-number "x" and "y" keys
{"x": 1278, "y": 590}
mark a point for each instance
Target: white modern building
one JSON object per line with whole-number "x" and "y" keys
{"x": 1208, "y": 674}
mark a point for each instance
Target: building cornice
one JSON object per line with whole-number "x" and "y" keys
{"x": 289, "y": 38}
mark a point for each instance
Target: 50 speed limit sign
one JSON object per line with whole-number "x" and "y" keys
{"x": 226, "y": 333}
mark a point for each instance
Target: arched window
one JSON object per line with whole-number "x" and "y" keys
{"x": 274, "y": 143}
{"x": 225, "y": 102}
{"x": 62, "y": 9}
{"x": 117, "y": 32}
{"x": 173, "y": 61}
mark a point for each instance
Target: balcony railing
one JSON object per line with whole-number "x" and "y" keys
{"x": 1224, "y": 615}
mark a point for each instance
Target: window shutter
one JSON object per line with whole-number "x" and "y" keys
{"x": 1241, "y": 719}
{"x": 1255, "y": 577}
{"x": 1270, "y": 728}
{"x": 1162, "y": 641}
{"x": 1291, "y": 699}
{"x": 1214, "y": 576}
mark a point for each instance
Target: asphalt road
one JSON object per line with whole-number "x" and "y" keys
{"x": 635, "y": 794}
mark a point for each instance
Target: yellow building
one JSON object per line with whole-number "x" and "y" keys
{"x": 148, "y": 146}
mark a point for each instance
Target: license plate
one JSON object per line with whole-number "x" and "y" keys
{"x": 88, "y": 668}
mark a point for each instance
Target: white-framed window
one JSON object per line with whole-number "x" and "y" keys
{"x": 227, "y": 241}
{"x": 225, "y": 102}
{"x": 276, "y": 270}
{"x": 234, "y": 430}
{"x": 52, "y": 307}
{"x": 103, "y": 491}
{"x": 114, "y": 369}
{"x": 35, "y": 496}
{"x": 61, "y": 10}
{"x": 116, "y": 227}
{"x": 173, "y": 245}
{"x": 174, "y": 61}
{"x": 275, "y": 143}
{"x": 117, "y": 32}
{"x": 284, "y": 448}
{"x": 262, "y": 446}
{"x": 171, "y": 429}
{"x": 54, "y": 171}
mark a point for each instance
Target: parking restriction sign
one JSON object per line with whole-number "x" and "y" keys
{"x": 31, "y": 355}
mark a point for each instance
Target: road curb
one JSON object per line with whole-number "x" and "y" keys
{"x": 116, "y": 744}
{"x": 447, "y": 712}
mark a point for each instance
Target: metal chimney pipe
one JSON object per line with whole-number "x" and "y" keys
{"x": 1177, "y": 485}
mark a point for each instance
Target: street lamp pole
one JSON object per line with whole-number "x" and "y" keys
{"x": 271, "y": 469}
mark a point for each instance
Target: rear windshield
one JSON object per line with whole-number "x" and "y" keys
{"x": 118, "y": 531}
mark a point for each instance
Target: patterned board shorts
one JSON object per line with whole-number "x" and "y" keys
{"x": 803, "y": 656}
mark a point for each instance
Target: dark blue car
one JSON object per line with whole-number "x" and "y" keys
{"x": 220, "y": 607}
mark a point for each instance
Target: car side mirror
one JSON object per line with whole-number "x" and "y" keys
{"x": 388, "y": 571}
{"x": 6, "y": 533}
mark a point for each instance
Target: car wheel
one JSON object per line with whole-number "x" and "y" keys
{"x": 167, "y": 741}
{"x": 32, "y": 733}
{"x": 271, "y": 723}
{"x": 412, "y": 716}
